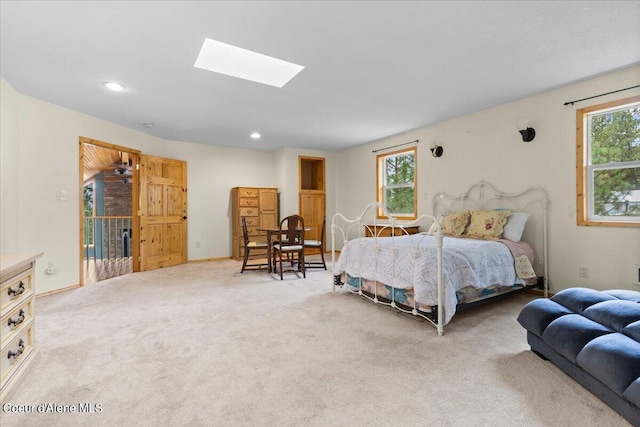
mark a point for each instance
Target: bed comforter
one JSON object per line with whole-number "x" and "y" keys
{"x": 411, "y": 262}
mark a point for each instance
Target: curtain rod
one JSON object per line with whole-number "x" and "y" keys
{"x": 602, "y": 94}
{"x": 397, "y": 145}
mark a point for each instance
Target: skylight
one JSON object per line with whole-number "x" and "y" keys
{"x": 242, "y": 63}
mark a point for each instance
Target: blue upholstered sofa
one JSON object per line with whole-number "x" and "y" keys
{"x": 593, "y": 336}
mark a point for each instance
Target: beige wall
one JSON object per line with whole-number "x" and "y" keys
{"x": 9, "y": 156}
{"x": 39, "y": 156}
{"x": 487, "y": 146}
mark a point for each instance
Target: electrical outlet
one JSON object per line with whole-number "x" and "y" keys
{"x": 198, "y": 245}
{"x": 583, "y": 272}
{"x": 636, "y": 275}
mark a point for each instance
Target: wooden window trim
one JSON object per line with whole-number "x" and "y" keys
{"x": 581, "y": 176}
{"x": 380, "y": 186}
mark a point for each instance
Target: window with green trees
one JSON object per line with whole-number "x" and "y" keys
{"x": 396, "y": 183}
{"x": 87, "y": 196}
{"x": 609, "y": 163}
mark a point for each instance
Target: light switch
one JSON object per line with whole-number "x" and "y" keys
{"x": 61, "y": 195}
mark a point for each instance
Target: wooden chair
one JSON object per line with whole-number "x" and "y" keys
{"x": 317, "y": 244}
{"x": 248, "y": 247}
{"x": 291, "y": 243}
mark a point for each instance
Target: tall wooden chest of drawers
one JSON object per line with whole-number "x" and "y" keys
{"x": 260, "y": 207}
{"x": 17, "y": 319}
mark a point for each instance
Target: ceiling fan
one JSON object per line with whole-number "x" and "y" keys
{"x": 120, "y": 171}
{"x": 124, "y": 166}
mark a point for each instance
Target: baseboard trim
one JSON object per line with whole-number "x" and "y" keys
{"x": 55, "y": 291}
{"x": 539, "y": 292}
{"x": 224, "y": 258}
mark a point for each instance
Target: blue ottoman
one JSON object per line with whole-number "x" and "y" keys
{"x": 593, "y": 336}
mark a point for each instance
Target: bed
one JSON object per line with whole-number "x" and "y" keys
{"x": 475, "y": 246}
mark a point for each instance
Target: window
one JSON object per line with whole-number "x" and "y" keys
{"x": 88, "y": 202}
{"x": 396, "y": 183}
{"x": 608, "y": 164}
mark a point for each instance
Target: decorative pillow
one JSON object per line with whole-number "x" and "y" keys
{"x": 454, "y": 223}
{"x": 487, "y": 224}
{"x": 514, "y": 227}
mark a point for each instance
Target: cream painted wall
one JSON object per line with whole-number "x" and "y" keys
{"x": 487, "y": 146}
{"x": 40, "y": 156}
{"x": 212, "y": 172}
{"x": 287, "y": 181}
{"x": 9, "y": 188}
{"x": 39, "y": 152}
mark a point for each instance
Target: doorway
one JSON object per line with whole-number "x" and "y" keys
{"x": 108, "y": 225}
{"x": 312, "y": 196}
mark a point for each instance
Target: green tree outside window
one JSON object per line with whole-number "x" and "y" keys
{"x": 396, "y": 183}
{"x": 614, "y": 157}
{"x": 87, "y": 196}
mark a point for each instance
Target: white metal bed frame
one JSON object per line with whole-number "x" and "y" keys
{"x": 480, "y": 196}
{"x": 358, "y": 226}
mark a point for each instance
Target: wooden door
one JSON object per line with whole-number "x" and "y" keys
{"x": 311, "y": 201}
{"x": 163, "y": 212}
{"x": 268, "y": 201}
{"x": 312, "y": 210}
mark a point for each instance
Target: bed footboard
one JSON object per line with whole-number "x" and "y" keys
{"x": 346, "y": 229}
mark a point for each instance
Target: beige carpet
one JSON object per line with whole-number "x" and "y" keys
{"x": 202, "y": 345}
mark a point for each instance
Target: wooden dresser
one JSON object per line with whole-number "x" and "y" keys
{"x": 260, "y": 207}
{"x": 382, "y": 230}
{"x": 17, "y": 319}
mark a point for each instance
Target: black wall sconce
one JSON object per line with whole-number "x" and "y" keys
{"x": 437, "y": 151}
{"x": 528, "y": 134}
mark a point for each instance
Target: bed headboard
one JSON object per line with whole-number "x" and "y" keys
{"x": 484, "y": 196}
{"x": 368, "y": 223}
{"x": 480, "y": 196}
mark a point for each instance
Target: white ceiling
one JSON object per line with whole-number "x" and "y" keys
{"x": 373, "y": 69}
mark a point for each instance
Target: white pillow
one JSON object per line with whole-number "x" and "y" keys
{"x": 515, "y": 226}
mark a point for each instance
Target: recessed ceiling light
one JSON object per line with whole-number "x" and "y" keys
{"x": 255, "y": 135}
{"x": 117, "y": 87}
{"x": 147, "y": 125}
{"x": 245, "y": 64}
